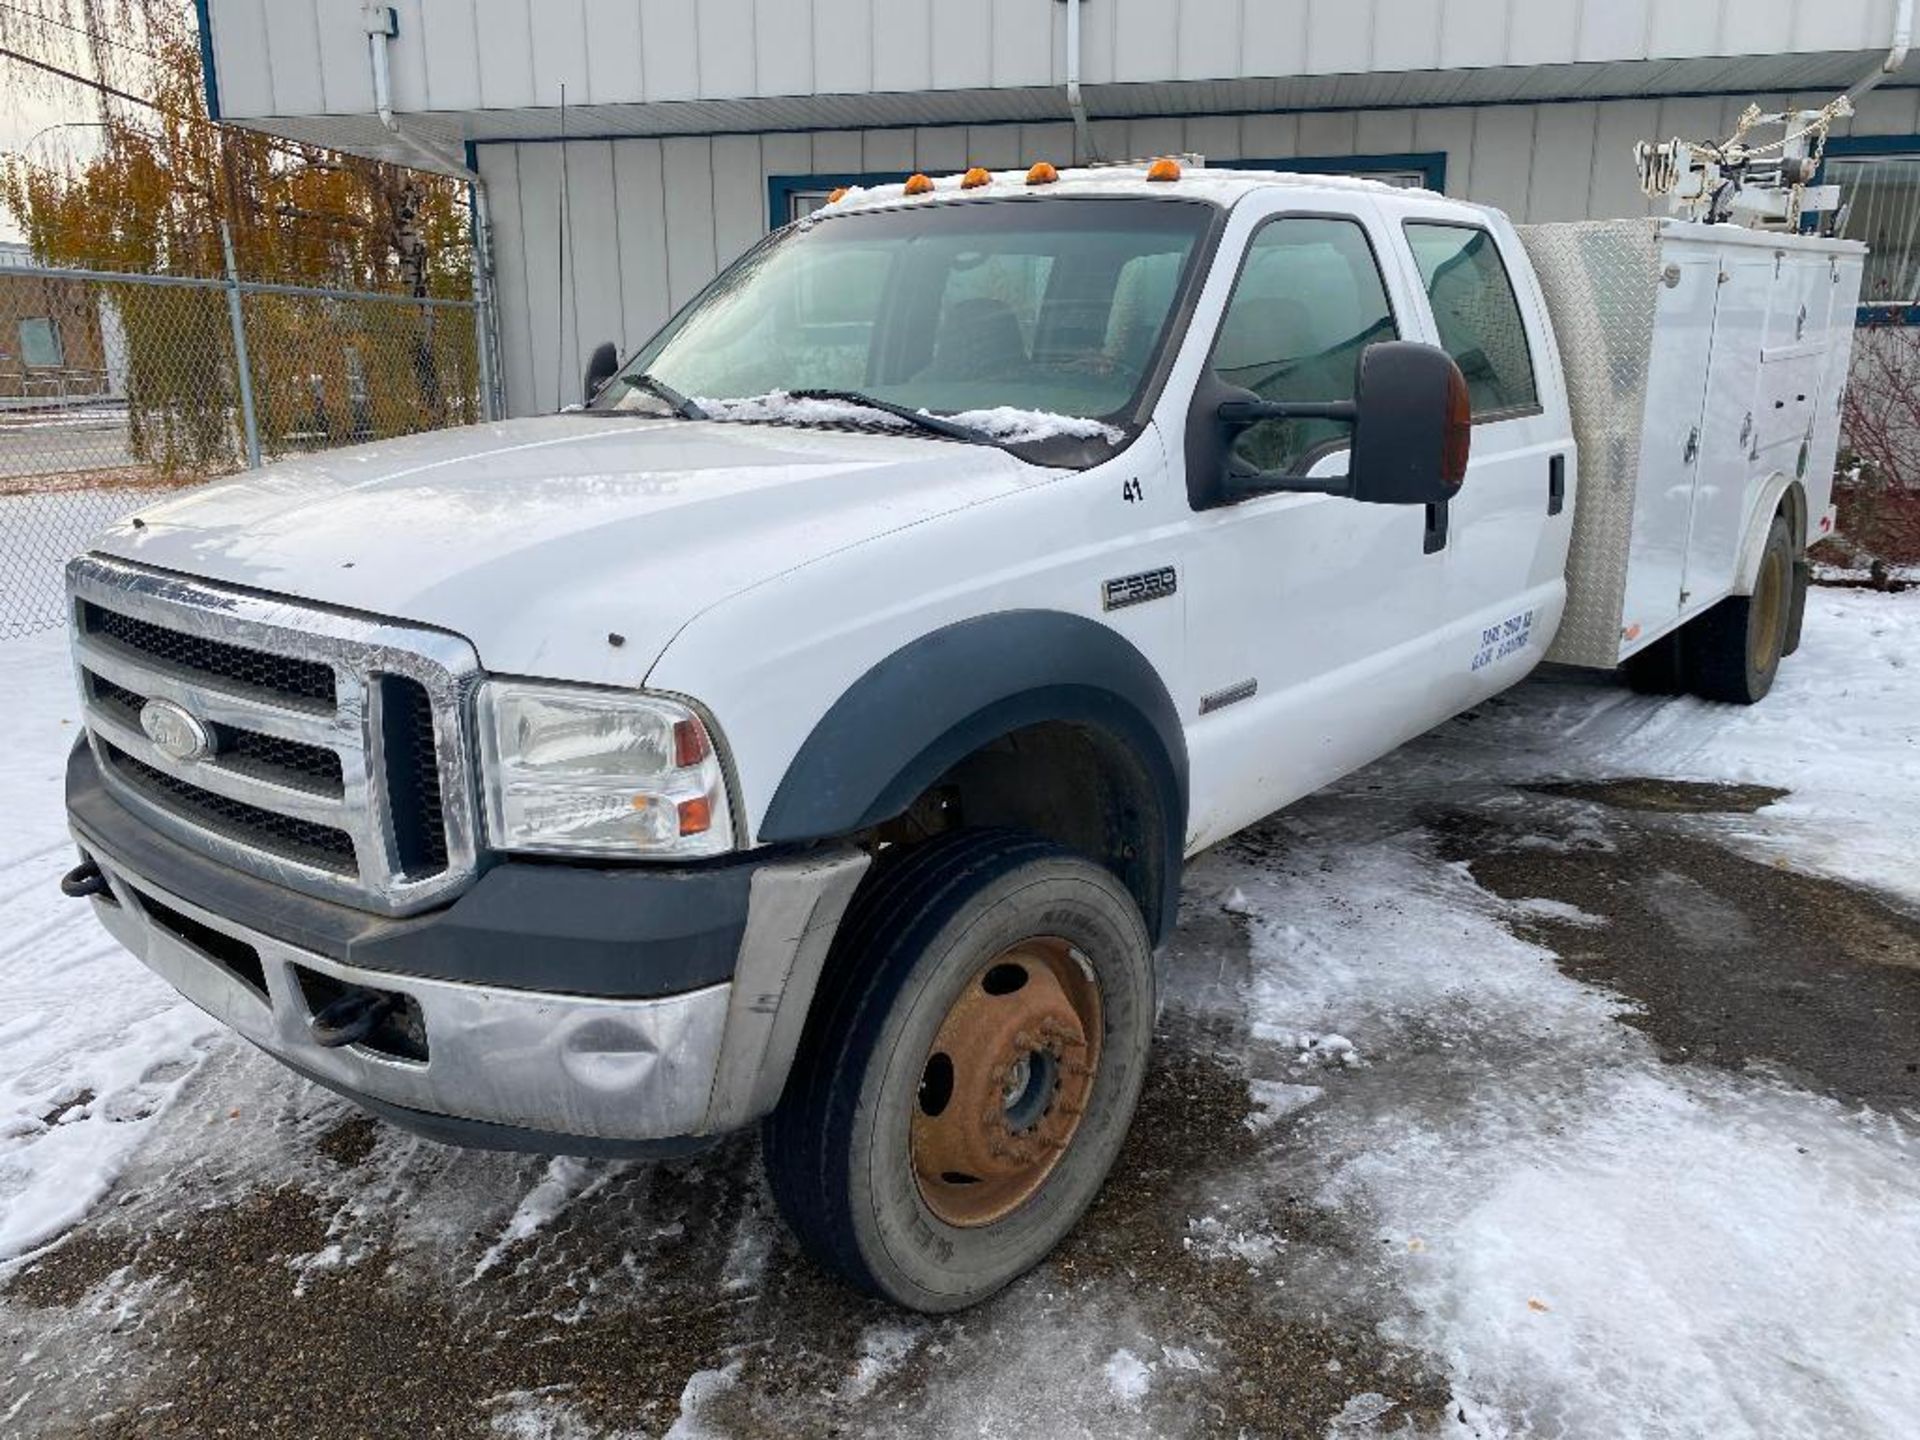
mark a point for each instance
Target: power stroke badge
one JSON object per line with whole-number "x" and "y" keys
{"x": 1138, "y": 589}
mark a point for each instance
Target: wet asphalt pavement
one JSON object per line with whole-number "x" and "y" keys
{"x": 277, "y": 1265}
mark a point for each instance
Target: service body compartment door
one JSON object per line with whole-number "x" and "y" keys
{"x": 1670, "y": 445}
{"x": 1730, "y": 431}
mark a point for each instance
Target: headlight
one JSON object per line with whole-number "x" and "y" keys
{"x": 600, "y": 772}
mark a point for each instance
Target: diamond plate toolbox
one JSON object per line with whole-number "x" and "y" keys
{"x": 1601, "y": 279}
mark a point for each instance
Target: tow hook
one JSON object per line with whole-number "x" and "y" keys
{"x": 84, "y": 881}
{"x": 351, "y": 1018}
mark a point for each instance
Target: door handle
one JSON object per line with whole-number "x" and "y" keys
{"x": 1693, "y": 446}
{"x": 1556, "y": 484}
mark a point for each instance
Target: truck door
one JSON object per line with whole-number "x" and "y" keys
{"x": 1310, "y": 619}
{"x": 1508, "y": 529}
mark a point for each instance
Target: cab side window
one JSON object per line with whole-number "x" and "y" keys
{"x": 1309, "y": 299}
{"x": 1478, "y": 316}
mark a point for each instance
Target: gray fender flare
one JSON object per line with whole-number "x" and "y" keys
{"x": 917, "y": 713}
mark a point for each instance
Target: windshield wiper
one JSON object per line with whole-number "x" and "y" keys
{"x": 938, "y": 424}
{"x": 681, "y": 405}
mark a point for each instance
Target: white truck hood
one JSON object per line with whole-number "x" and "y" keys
{"x": 537, "y": 539}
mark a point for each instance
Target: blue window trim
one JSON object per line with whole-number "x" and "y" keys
{"x": 208, "y": 78}
{"x": 1846, "y": 147}
{"x": 1430, "y": 163}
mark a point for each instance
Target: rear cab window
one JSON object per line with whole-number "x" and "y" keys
{"x": 1477, "y": 316}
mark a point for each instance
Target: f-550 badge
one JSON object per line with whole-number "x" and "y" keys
{"x": 1138, "y": 589}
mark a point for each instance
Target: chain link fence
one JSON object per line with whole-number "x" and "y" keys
{"x": 114, "y": 387}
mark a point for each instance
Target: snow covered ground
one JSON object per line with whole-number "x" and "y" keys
{"x": 1421, "y": 1156}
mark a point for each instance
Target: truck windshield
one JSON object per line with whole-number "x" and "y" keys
{"x": 1056, "y": 308}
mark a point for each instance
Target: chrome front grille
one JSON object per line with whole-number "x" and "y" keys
{"x": 337, "y": 760}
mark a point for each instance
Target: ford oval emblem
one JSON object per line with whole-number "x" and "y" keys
{"x": 175, "y": 731}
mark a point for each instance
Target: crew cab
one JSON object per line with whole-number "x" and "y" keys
{"x": 809, "y": 729}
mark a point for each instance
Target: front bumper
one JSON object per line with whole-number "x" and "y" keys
{"x": 530, "y": 1063}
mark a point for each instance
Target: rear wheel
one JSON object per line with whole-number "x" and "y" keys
{"x": 1733, "y": 651}
{"x": 972, "y": 1063}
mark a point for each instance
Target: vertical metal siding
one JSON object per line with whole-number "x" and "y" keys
{"x": 1563, "y": 163}
{"x": 640, "y": 205}
{"x": 1022, "y": 42}
{"x": 1543, "y": 32}
{"x": 783, "y": 46}
{"x": 903, "y": 44}
{"x": 241, "y": 57}
{"x": 687, "y": 175}
{"x": 1619, "y": 27}
{"x": 503, "y": 31}
{"x": 1406, "y": 35}
{"x": 559, "y": 56}
{"x": 448, "y": 39}
{"x": 1145, "y": 35}
{"x": 1209, "y": 39}
{"x": 346, "y": 69}
{"x": 1474, "y": 32}
{"x": 669, "y": 50}
{"x": 307, "y": 57}
{"x": 843, "y": 46}
{"x": 614, "y": 63}
{"x": 727, "y": 53}
{"x": 1339, "y": 36}
{"x": 293, "y": 40}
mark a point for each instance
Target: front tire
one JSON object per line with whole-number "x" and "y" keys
{"x": 970, "y": 1068}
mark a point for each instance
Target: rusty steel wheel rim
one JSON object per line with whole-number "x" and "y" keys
{"x": 1006, "y": 1082}
{"x": 1770, "y": 618}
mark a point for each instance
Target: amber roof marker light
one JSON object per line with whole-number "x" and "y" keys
{"x": 975, "y": 178}
{"x": 1165, "y": 168}
{"x": 1042, "y": 174}
{"x": 919, "y": 185}
{"x": 839, "y": 194}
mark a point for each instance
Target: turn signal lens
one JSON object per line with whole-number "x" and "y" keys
{"x": 690, "y": 745}
{"x": 1165, "y": 168}
{"x": 696, "y": 815}
{"x": 919, "y": 185}
{"x": 1458, "y": 445}
{"x": 839, "y": 194}
{"x": 975, "y": 178}
{"x": 1042, "y": 174}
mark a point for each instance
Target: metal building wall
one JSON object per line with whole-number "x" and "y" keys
{"x": 654, "y": 219}
{"x": 308, "y": 57}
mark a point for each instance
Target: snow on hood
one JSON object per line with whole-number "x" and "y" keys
{"x": 537, "y": 539}
{"x": 1005, "y": 423}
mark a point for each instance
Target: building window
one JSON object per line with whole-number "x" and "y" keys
{"x": 1881, "y": 196}
{"x": 1478, "y": 316}
{"x": 40, "y": 344}
{"x": 801, "y": 203}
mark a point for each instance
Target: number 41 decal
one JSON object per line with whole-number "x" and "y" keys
{"x": 1130, "y": 491}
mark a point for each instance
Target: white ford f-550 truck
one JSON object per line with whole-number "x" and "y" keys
{"x": 810, "y": 729}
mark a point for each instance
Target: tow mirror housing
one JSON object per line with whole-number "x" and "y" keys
{"x": 1412, "y": 431}
{"x": 602, "y": 367}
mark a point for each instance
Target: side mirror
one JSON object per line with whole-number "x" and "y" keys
{"x": 1414, "y": 429}
{"x": 601, "y": 368}
{"x": 1412, "y": 425}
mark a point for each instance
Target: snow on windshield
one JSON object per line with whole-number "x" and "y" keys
{"x": 1004, "y": 423}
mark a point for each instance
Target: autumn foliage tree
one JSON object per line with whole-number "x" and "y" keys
{"x": 152, "y": 194}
